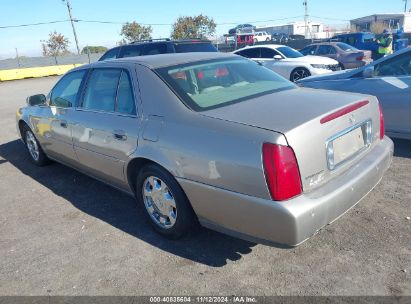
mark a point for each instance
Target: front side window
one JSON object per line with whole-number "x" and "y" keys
{"x": 65, "y": 93}
{"x": 268, "y": 53}
{"x": 194, "y": 47}
{"x": 101, "y": 90}
{"x": 309, "y": 50}
{"x": 211, "y": 84}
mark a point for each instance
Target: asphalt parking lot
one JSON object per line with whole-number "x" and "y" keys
{"x": 63, "y": 233}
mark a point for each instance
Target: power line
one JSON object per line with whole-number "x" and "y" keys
{"x": 117, "y": 22}
{"x": 33, "y": 24}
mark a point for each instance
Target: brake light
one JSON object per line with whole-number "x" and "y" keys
{"x": 359, "y": 58}
{"x": 281, "y": 172}
{"x": 343, "y": 111}
{"x": 382, "y": 123}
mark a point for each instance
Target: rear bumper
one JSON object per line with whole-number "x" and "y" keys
{"x": 293, "y": 221}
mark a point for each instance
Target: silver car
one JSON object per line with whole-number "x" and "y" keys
{"x": 212, "y": 138}
{"x": 388, "y": 78}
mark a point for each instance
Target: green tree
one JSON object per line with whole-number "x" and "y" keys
{"x": 187, "y": 27}
{"x": 94, "y": 49}
{"x": 134, "y": 32}
{"x": 56, "y": 45}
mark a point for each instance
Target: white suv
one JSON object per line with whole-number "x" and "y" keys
{"x": 261, "y": 36}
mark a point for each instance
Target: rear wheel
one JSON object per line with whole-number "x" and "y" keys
{"x": 36, "y": 154}
{"x": 255, "y": 41}
{"x": 166, "y": 205}
{"x": 299, "y": 73}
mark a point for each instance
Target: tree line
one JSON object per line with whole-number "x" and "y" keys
{"x": 186, "y": 27}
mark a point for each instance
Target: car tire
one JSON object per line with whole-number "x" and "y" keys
{"x": 255, "y": 41}
{"x": 164, "y": 202}
{"x": 299, "y": 73}
{"x": 341, "y": 66}
{"x": 36, "y": 153}
{"x": 267, "y": 39}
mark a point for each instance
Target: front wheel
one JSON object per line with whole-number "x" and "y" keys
{"x": 166, "y": 205}
{"x": 299, "y": 73}
{"x": 36, "y": 154}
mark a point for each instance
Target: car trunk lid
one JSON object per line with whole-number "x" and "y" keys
{"x": 298, "y": 114}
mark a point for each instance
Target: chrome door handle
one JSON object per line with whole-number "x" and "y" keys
{"x": 120, "y": 135}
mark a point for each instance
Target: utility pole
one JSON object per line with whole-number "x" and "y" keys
{"x": 18, "y": 58}
{"x": 405, "y": 6}
{"x": 72, "y": 24}
{"x": 306, "y": 17}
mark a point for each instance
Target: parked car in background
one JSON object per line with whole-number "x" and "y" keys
{"x": 242, "y": 28}
{"x": 279, "y": 38}
{"x": 261, "y": 36}
{"x": 288, "y": 62}
{"x": 367, "y": 41}
{"x": 212, "y": 137}
{"x": 348, "y": 56}
{"x": 388, "y": 78}
{"x": 159, "y": 46}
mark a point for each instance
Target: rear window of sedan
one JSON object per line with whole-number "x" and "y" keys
{"x": 211, "y": 84}
{"x": 194, "y": 47}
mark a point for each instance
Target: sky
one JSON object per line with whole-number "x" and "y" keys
{"x": 161, "y": 13}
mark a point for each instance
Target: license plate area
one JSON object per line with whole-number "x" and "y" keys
{"x": 347, "y": 144}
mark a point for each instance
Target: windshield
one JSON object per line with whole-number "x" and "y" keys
{"x": 346, "y": 47}
{"x": 289, "y": 52}
{"x": 211, "y": 84}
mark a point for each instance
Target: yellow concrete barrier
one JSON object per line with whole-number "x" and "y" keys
{"x": 15, "y": 74}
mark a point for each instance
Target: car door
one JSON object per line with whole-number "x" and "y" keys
{"x": 106, "y": 124}
{"x": 276, "y": 65}
{"x": 62, "y": 100}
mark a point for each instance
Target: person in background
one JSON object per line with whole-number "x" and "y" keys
{"x": 384, "y": 45}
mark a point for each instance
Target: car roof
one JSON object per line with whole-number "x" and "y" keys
{"x": 271, "y": 46}
{"x": 163, "y": 60}
{"x": 325, "y": 43}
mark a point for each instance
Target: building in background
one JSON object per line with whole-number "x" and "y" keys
{"x": 316, "y": 30}
{"x": 391, "y": 21}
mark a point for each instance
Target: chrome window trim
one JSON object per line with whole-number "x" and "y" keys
{"x": 329, "y": 150}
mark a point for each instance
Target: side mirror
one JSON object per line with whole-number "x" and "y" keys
{"x": 277, "y": 57}
{"x": 368, "y": 72}
{"x": 36, "y": 100}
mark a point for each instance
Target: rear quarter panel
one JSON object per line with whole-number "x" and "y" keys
{"x": 191, "y": 146}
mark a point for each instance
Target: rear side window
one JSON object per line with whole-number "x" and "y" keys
{"x": 194, "y": 47}
{"x": 131, "y": 51}
{"x": 125, "y": 97}
{"x": 101, "y": 90}
{"x": 325, "y": 50}
{"x": 250, "y": 53}
{"x": 65, "y": 93}
{"x": 111, "y": 54}
{"x": 154, "y": 49}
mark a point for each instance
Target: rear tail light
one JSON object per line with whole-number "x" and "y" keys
{"x": 382, "y": 124}
{"x": 360, "y": 58}
{"x": 281, "y": 172}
